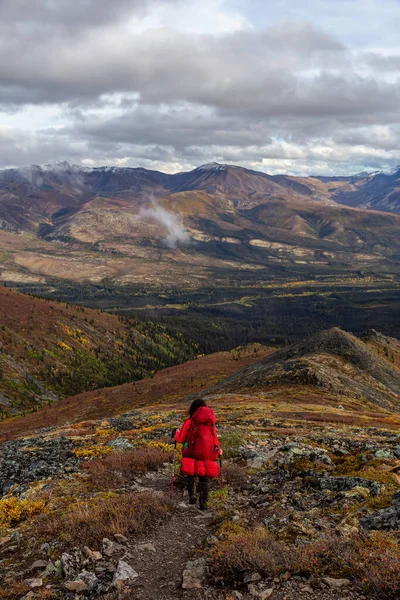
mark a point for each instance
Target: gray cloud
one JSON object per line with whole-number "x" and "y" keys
{"x": 277, "y": 98}
{"x": 71, "y": 16}
{"x": 162, "y": 66}
{"x": 280, "y": 71}
{"x": 380, "y": 62}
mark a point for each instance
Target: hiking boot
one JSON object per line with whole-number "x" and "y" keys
{"x": 203, "y": 495}
{"x": 191, "y": 492}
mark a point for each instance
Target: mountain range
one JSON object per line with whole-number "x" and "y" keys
{"x": 136, "y": 225}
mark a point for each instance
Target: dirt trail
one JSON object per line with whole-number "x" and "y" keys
{"x": 160, "y": 556}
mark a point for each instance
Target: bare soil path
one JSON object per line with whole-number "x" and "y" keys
{"x": 160, "y": 556}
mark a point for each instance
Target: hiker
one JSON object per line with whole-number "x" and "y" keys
{"x": 200, "y": 450}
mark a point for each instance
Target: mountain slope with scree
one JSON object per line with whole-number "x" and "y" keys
{"x": 310, "y": 475}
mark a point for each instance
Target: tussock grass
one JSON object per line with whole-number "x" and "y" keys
{"x": 13, "y": 590}
{"x": 373, "y": 559}
{"x": 119, "y": 468}
{"x": 88, "y": 524}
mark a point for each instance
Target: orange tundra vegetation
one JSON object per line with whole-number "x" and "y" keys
{"x": 374, "y": 559}
{"x": 119, "y": 468}
{"x": 88, "y": 523}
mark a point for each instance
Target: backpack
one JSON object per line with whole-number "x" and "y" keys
{"x": 206, "y": 468}
{"x": 202, "y": 435}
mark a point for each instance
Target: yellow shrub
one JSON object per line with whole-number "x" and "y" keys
{"x": 150, "y": 428}
{"x": 92, "y": 451}
{"x": 13, "y": 510}
{"x": 161, "y": 445}
{"x": 64, "y": 346}
{"x": 105, "y": 432}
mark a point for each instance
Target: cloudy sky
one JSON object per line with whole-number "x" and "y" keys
{"x": 283, "y": 86}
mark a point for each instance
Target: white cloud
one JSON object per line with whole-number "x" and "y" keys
{"x": 175, "y": 232}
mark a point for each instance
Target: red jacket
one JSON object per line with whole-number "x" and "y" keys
{"x": 203, "y": 416}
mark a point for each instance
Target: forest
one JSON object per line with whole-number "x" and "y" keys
{"x": 277, "y": 312}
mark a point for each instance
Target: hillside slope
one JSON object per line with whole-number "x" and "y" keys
{"x": 167, "y": 386}
{"x": 333, "y": 361}
{"x": 50, "y": 350}
{"x": 379, "y": 191}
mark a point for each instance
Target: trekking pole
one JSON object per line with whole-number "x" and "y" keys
{"x": 171, "y": 488}
{"x": 220, "y": 466}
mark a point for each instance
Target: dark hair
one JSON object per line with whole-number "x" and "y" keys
{"x": 195, "y": 405}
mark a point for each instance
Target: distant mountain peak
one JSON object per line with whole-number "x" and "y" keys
{"x": 58, "y": 165}
{"x": 213, "y": 166}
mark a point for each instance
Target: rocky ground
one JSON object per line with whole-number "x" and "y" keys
{"x": 86, "y": 512}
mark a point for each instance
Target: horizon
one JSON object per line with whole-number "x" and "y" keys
{"x": 210, "y": 164}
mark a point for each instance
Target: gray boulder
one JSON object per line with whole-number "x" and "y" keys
{"x": 90, "y": 580}
{"x": 71, "y": 563}
{"x": 386, "y": 519}
{"x": 343, "y": 484}
{"x": 121, "y": 423}
{"x": 384, "y": 453}
{"x": 194, "y": 574}
{"x": 120, "y": 443}
{"x": 296, "y": 452}
{"x": 124, "y": 575}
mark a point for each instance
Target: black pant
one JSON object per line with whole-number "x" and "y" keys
{"x": 203, "y": 484}
{"x": 203, "y": 488}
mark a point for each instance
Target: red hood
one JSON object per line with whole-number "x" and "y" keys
{"x": 204, "y": 414}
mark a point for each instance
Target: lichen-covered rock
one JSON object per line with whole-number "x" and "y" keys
{"x": 90, "y": 580}
{"x": 384, "y": 453}
{"x": 257, "y": 462}
{"x": 120, "y": 443}
{"x": 33, "y": 583}
{"x": 358, "y": 493}
{"x": 194, "y": 574}
{"x": 296, "y": 452}
{"x": 71, "y": 563}
{"x": 108, "y": 547}
{"x": 92, "y": 554}
{"x": 26, "y": 460}
{"x": 386, "y": 519}
{"x": 343, "y": 484}
{"x": 121, "y": 423}
{"x": 336, "y": 583}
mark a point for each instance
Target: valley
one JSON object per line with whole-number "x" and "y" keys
{"x": 239, "y": 253}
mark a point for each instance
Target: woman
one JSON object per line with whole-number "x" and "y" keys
{"x": 200, "y": 442}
